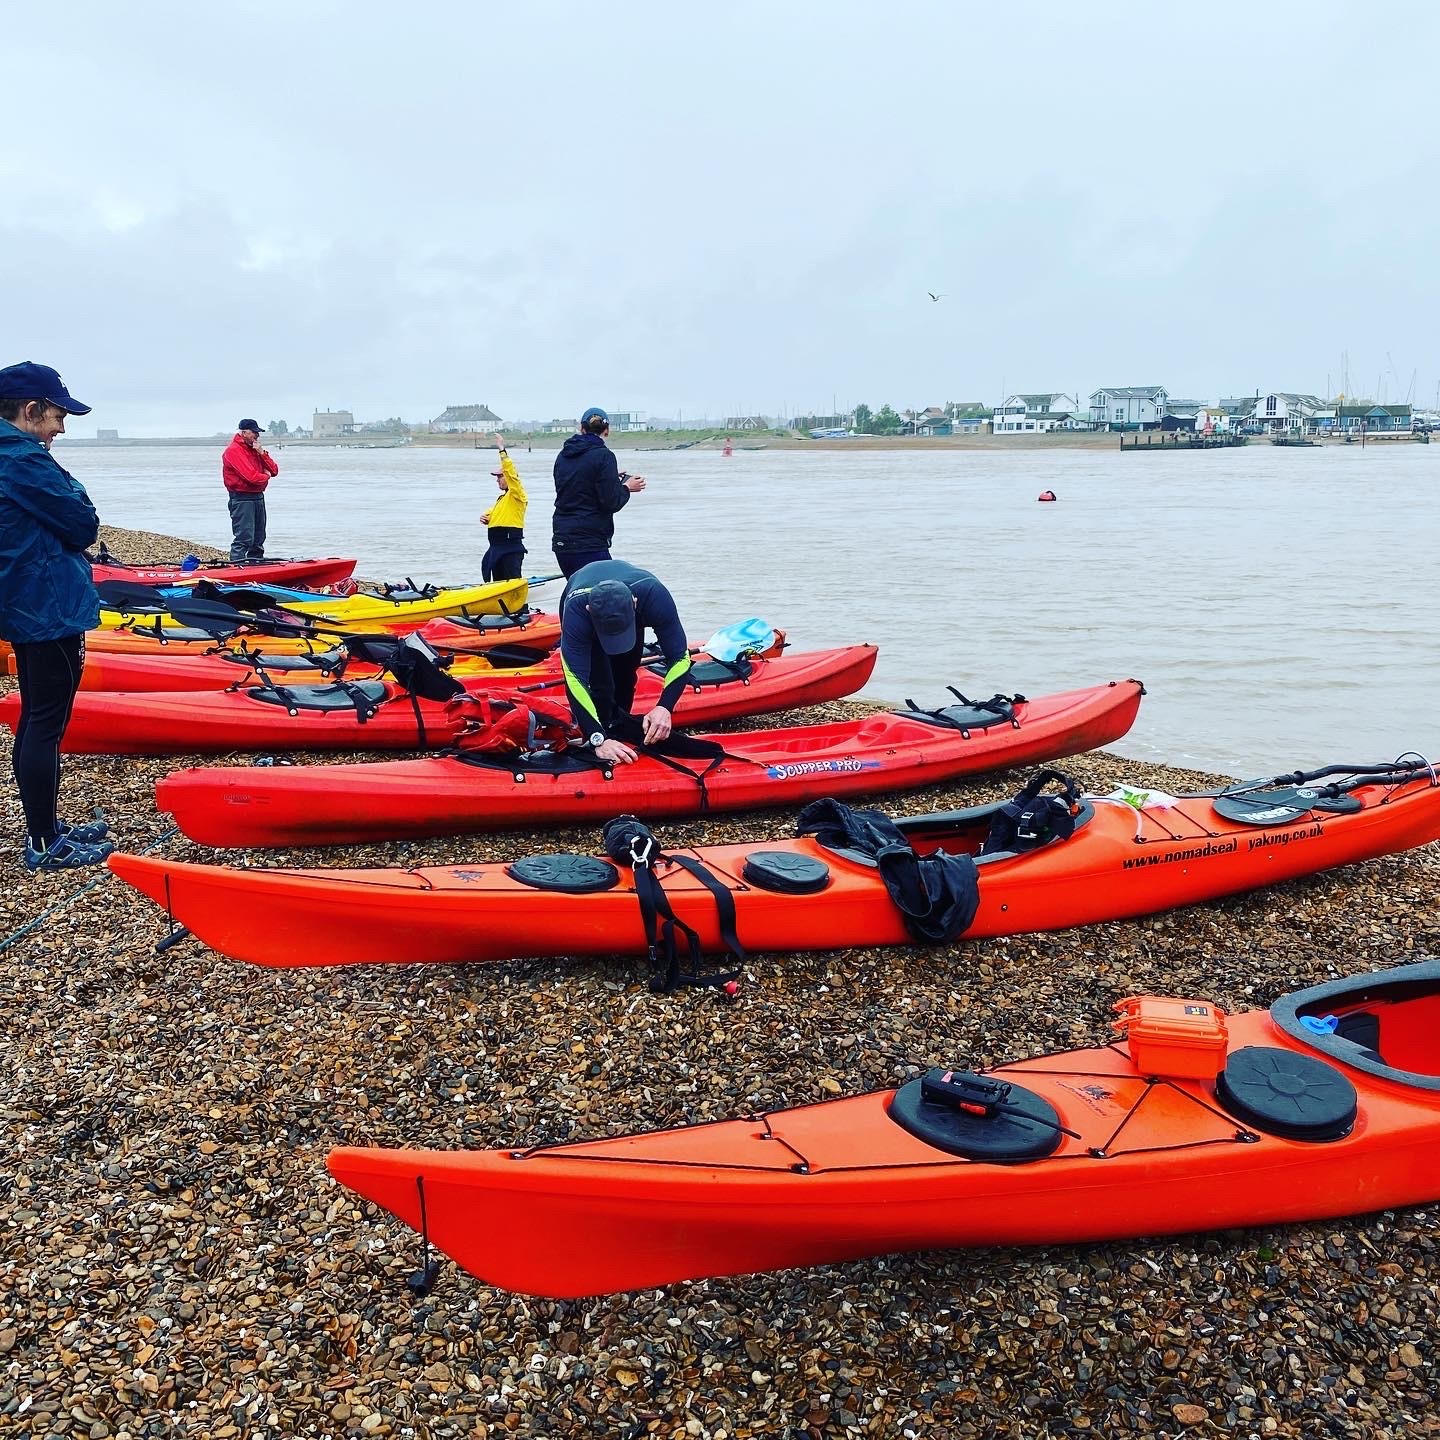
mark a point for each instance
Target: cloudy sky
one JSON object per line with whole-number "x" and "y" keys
{"x": 270, "y": 208}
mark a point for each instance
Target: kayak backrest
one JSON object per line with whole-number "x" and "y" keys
{"x": 342, "y": 696}
{"x": 971, "y": 715}
{"x": 705, "y": 673}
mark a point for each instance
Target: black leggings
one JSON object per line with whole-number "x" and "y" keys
{"x": 506, "y": 556}
{"x": 49, "y": 673}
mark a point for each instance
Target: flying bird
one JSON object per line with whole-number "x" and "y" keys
{"x": 934, "y": 296}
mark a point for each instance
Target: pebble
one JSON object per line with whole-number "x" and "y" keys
{"x": 166, "y": 1120}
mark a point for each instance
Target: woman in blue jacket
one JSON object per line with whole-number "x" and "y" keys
{"x": 47, "y": 603}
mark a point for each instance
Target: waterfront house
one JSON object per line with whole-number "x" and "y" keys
{"x": 327, "y": 424}
{"x": 1035, "y": 414}
{"x": 1286, "y": 412}
{"x": 1375, "y": 419}
{"x": 466, "y": 420}
{"x": 1212, "y": 420}
{"x": 968, "y": 424}
{"x": 1237, "y": 408}
{"x": 1181, "y": 415}
{"x": 1128, "y": 407}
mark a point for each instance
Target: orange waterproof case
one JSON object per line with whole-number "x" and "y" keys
{"x": 1183, "y": 1038}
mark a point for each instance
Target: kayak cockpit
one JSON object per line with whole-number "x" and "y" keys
{"x": 1385, "y": 1024}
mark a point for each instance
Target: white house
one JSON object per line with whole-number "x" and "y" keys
{"x": 1128, "y": 407}
{"x": 1284, "y": 411}
{"x": 1035, "y": 414}
{"x": 466, "y": 420}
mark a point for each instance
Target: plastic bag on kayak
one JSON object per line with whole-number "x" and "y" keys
{"x": 1140, "y": 797}
{"x": 745, "y": 637}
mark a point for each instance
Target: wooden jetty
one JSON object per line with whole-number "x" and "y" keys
{"x": 1153, "y": 440}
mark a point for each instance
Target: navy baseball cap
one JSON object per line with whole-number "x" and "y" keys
{"x": 612, "y": 613}
{"x": 29, "y": 381}
{"x": 251, "y": 425}
{"x": 593, "y": 413}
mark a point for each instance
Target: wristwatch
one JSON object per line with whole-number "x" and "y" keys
{"x": 598, "y": 738}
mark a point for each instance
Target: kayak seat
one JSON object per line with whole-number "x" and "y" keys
{"x": 1280, "y": 1092}
{"x": 982, "y": 716}
{"x": 186, "y": 632}
{"x": 785, "y": 872}
{"x": 488, "y": 624}
{"x": 565, "y": 873}
{"x": 977, "y": 1117}
{"x": 282, "y": 664}
{"x": 711, "y": 672}
{"x": 321, "y": 697}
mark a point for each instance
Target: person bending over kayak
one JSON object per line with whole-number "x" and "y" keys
{"x": 505, "y": 522}
{"x": 247, "y": 468}
{"x": 590, "y": 488}
{"x": 47, "y": 603}
{"x": 604, "y": 613}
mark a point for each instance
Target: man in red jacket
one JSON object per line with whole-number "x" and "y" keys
{"x": 247, "y": 469}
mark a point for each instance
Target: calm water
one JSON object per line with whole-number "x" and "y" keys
{"x": 1280, "y": 605}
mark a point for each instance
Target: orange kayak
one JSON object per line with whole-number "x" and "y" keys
{"x": 1119, "y": 862}
{"x": 1326, "y": 1104}
{"x": 458, "y": 794}
{"x": 324, "y": 717}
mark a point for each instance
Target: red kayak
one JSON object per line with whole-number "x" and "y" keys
{"x": 809, "y": 893}
{"x": 324, "y": 717}
{"x": 214, "y": 667}
{"x": 1327, "y": 1104}
{"x": 328, "y": 571}
{"x": 534, "y": 629}
{"x": 461, "y": 794}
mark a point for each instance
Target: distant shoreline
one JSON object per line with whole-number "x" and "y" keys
{"x": 644, "y": 440}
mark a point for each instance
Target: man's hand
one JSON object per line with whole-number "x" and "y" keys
{"x": 499, "y": 440}
{"x": 634, "y": 483}
{"x": 657, "y": 725}
{"x": 614, "y": 752}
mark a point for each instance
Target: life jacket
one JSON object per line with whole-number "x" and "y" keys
{"x": 513, "y": 727}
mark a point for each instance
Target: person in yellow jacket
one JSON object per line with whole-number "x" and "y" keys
{"x": 505, "y": 522}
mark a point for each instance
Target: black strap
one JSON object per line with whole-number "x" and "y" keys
{"x": 627, "y": 840}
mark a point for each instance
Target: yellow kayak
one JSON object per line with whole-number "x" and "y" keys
{"x": 365, "y": 611}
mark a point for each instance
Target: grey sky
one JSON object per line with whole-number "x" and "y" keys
{"x": 272, "y": 207}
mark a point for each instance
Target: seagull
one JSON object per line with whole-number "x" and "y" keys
{"x": 934, "y": 296}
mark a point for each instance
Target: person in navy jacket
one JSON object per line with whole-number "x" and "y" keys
{"x": 47, "y": 603}
{"x": 590, "y": 489}
{"x": 604, "y": 614}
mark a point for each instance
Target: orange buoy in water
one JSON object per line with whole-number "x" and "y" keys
{"x": 1047, "y": 495}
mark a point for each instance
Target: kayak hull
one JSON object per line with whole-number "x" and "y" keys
{"x": 195, "y": 723}
{"x": 328, "y": 571}
{"x": 841, "y": 1180}
{"x": 366, "y": 612}
{"x": 445, "y": 795}
{"x": 1120, "y": 863}
{"x": 160, "y": 671}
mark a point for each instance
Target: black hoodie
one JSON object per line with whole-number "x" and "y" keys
{"x": 588, "y": 492}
